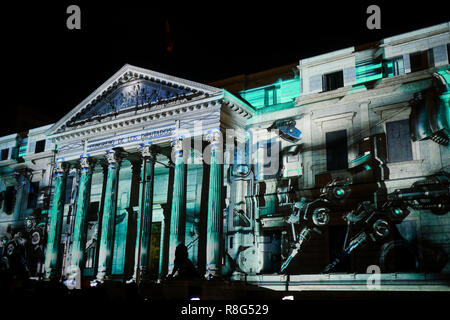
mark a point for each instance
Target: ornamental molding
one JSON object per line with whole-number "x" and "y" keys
{"x": 150, "y": 117}
{"x": 203, "y": 97}
{"x": 347, "y": 116}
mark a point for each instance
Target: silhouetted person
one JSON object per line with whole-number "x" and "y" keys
{"x": 183, "y": 267}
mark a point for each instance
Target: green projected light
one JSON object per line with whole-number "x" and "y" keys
{"x": 23, "y": 148}
{"x": 282, "y": 91}
{"x": 368, "y": 71}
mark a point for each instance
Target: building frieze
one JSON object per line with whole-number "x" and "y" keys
{"x": 133, "y": 121}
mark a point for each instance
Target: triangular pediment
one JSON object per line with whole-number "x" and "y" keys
{"x": 131, "y": 89}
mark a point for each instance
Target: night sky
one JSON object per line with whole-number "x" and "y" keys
{"x": 49, "y": 69}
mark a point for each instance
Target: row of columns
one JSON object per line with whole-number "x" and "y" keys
{"x": 144, "y": 219}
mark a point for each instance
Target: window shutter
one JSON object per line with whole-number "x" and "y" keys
{"x": 31, "y": 147}
{"x": 315, "y": 83}
{"x": 406, "y": 63}
{"x": 349, "y": 76}
{"x": 430, "y": 56}
{"x": 48, "y": 145}
{"x": 440, "y": 55}
{"x": 399, "y": 67}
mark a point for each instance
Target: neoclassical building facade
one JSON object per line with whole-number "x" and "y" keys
{"x": 302, "y": 183}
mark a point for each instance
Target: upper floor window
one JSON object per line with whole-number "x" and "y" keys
{"x": 5, "y": 154}
{"x": 40, "y": 146}
{"x": 332, "y": 81}
{"x": 421, "y": 60}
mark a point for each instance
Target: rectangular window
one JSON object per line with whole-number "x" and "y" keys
{"x": 5, "y": 154}
{"x": 337, "y": 150}
{"x": 398, "y": 140}
{"x": 33, "y": 195}
{"x": 332, "y": 81}
{"x": 40, "y": 146}
{"x": 421, "y": 60}
{"x": 10, "y": 200}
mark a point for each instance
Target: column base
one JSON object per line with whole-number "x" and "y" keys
{"x": 51, "y": 276}
{"x": 102, "y": 277}
{"x": 143, "y": 276}
{"x": 213, "y": 277}
{"x": 212, "y": 272}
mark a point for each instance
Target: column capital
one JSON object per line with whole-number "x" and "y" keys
{"x": 148, "y": 151}
{"x": 177, "y": 145}
{"x": 87, "y": 163}
{"x": 113, "y": 158}
{"x": 214, "y": 137}
{"x": 61, "y": 167}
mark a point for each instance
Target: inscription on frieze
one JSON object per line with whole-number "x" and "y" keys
{"x": 130, "y": 138}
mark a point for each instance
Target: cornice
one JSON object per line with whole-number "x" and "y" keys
{"x": 132, "y": 120}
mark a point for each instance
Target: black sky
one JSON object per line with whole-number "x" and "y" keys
{"x": 49, "y": 69}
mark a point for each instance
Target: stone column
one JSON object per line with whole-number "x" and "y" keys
{"x": 143, "y": 234}
{"x": 178, "y": 202}
{"x": 214, "y": 217}
{"x": 109, "y": 212}
{"x": 79, "y": 232}
{"x": 56, "y": 218}
{"x": 165, "y": 226}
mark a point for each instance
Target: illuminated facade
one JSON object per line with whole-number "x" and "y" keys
{"x": 342, "y": 166}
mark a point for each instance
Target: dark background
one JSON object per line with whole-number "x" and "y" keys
{"x": 49, "y": 69}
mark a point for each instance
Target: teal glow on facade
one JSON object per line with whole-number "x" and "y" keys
{"x": 55, "y": 223}
{"x": 178, "y": 204}
{"x": 145, "y": 212}
{"x": 109, "y": 210}
{"x": 23, "y": 145}
{"x": 368, "y": 71}
{"x": 280, "y": 92}
{"x": 79, "y": 232}
{"x": 214, "y": 218}
{"x": 240, "y": 219}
